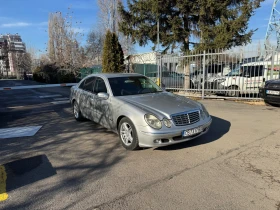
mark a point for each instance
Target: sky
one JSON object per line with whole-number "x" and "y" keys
{"x": 29, "y": 18}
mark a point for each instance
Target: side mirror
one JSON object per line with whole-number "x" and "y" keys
{"x": 103, "y": 96}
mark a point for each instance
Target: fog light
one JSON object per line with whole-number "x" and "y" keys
{"x": 157, "y": 141}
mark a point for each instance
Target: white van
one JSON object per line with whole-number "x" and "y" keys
{"x": 251, "y": 77}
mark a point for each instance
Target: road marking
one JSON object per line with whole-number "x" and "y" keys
{"x": 6, "y": 133}
{"x": 60, "y": 102}
{"x": 50, "y": 96}
{"x": 60, "y": 99}
{"x": 3, "y": 177}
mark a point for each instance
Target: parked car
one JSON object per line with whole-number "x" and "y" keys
{"x": 213, "y": 74}
{"x": 138, "y": 110}
{"x": 250, "y": 78}
{"x": 170, "y": 80}
{"x": 270, "y": 92}
{"x": 177, "y": 75}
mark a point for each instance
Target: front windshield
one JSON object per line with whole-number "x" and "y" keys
{"x": 123, "y": 86}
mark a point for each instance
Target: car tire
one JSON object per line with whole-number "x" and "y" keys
{"x": 267, "y": 103}
{"x": 128, "y": 135}
{"x": 76, "y": 111}
{"x": 233, "y": 93}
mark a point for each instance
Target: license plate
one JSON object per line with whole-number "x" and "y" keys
{"x": 273, "y": 92}
{"x": 192, "y": 132}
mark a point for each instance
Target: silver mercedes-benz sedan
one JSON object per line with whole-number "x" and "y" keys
{"x": 140, "y": 112}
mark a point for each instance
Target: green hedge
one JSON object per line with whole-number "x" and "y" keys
{"x": 38, "y": 77}
{"x": 51, "y": 74}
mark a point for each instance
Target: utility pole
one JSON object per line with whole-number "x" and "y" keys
{"x": 158, "y": 35}
{"x": 158, "y": 53}
{"x": 158, "y": 26}
{"x": 273, "y": 26}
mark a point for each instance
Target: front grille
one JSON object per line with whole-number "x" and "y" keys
{"x": 187, "y": 118}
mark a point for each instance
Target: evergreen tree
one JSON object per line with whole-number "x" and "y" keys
{"x": 112, "y": 57}
{"x": 215, "y": 24}
{"x": 106, "y": 56}
{"x": 121, "y": 58}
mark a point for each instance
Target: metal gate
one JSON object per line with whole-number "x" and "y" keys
{"x": 220, "y": 74}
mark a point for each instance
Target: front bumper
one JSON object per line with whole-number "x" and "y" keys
{"x": 220, "y": 89}
{"x": 157, "y": 139}
{"x": 273, "y": 99}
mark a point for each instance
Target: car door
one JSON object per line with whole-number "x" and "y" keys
{"x": 103, "y": 108}
{"x": 253, "y": 77}
{"x": 86, "y": 99}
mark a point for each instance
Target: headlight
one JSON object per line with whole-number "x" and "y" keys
{"x": 167, "y": 123}
{"x": 204, "y": 112}
{"x": 153, "y": 121}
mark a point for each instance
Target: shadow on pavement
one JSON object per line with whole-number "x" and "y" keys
{"x": 79, "y": 152}
{"x": 219, "y": 127}
{"x": 28, "y": 170}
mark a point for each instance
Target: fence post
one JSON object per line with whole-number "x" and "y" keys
{"x": 203, "y": 79}
{"x": 272, "y": 65}
{"x": 158, "y": 62}
{"x": 160, "y": 70}
{"x": 144, "y": 69}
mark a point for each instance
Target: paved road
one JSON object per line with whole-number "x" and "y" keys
{"x": 83, "y": 166}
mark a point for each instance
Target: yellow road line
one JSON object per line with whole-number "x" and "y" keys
{"x": 3, "y": 178}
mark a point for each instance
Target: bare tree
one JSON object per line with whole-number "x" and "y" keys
{"x": 109, "y": 18}
{"x": 44, "y": 59}
{"x": 94, "y": 47}
{"x": 22, "y": 63}
{"x": 63, "y": 45}
{"x": 108, "y": 15}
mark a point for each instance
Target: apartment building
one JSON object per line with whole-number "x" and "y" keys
{"x": 11, "y": 46}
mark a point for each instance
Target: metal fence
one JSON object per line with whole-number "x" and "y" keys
{"x": 237, "y": 73}
{"x": 87, "y": 71}
{"x": 221, "y": 74}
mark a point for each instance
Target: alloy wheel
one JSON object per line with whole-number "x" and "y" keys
{"x": 126, "y": 133}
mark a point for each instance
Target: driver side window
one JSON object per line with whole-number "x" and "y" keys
{"x": 100, "y": 86}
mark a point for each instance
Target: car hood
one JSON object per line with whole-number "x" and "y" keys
{"x": 276, "y": 81}
{"x": 163, "y": 103}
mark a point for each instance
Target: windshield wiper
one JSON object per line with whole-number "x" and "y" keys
{"x": 152, "y": 92}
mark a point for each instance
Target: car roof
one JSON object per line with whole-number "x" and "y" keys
{"x": 114, "y": 75}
